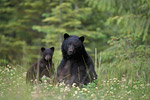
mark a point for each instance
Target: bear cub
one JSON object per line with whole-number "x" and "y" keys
{"x": 76, "y": 66}
{"x": 42, "y": 67}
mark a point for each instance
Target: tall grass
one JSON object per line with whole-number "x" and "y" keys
{"x": 14, "y": 87}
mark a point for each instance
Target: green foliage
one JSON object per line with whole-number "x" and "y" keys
{"x": 131, "y": 59}
{"x": 13, "y": 86}
{"x": 18, "y": 40}
{"x": 10, "y": 54}
{"x": 36, "y": 25}
{"x": 15, "y": 51}
{"x": 68, "y": 17}
{"x": 130, "y": 16}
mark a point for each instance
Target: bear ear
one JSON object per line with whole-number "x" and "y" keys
{"x": 42, "y": 49}
{"x": 66, "y": 36}
{"x": 81, "y": 38}
{"x": 52, "y": 48}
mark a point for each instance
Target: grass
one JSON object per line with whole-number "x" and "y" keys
{"x": 14, "y": 87}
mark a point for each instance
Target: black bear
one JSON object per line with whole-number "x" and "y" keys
{"x": 42, "y": 67}
{"x": 76, "y": 66}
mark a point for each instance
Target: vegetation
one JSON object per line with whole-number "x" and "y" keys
{"x": 117, "y": 36}
{"x": 13, "y": 87}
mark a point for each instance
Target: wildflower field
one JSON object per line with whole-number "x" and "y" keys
{"x": 13, "y": 87}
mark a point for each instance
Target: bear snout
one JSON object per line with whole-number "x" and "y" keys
{"x": 47, "y": 57}
{"x": 70, "y": 50}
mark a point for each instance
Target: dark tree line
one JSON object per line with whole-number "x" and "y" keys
{"x": 120, "y": 30}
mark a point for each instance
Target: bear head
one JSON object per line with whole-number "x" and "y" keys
{"x": 47, "y": 53}
{"x": 72, "y": 45}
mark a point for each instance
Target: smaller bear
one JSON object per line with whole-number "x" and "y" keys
{"x": 42, "y": 67}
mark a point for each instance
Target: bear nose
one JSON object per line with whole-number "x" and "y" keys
{"x": 47, "y": 57}
{"x": 70, "y": 50}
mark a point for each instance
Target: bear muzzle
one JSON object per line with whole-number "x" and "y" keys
{"x": 70, "y": 50}
{"x": 47, "y": 57}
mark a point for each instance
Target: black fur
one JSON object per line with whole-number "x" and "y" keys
{"x": 76, "y": 65}
{"x": 45, "y": 65}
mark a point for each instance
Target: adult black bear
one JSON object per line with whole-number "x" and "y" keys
{"x": 76, "y": 65}
{"x": 42, "y": 67}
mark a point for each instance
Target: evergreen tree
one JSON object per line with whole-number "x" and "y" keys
{"x": 130, "y": 16}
